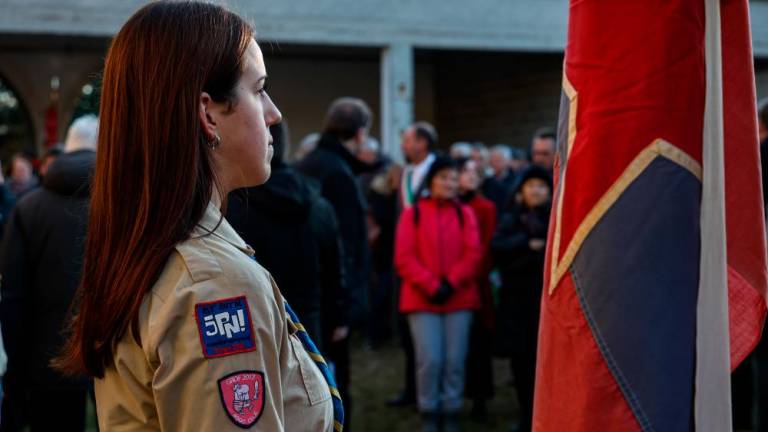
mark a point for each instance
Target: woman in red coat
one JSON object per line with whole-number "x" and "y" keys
{"x": 479, "y": 381}
{"x": 437, "y": 254}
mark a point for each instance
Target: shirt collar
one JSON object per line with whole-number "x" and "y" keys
{"x": 424, "y": 164}
{"x": 213, "y": 223}
{"x": 420, "y": 171}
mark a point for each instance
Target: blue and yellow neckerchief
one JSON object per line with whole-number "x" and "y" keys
{"x": 314, "y": 353}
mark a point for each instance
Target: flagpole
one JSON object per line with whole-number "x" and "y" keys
{"x": 712, "y": 405}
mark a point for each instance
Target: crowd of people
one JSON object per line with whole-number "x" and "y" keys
{"x": 455, "y": 240}
{"x": 345, "y": 232}
{"x": 425, "y": 235}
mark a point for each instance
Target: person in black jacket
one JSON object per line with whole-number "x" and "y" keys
{"x": 295, "y": 235}
{"x": 335, "y": 165}
{"x": 518, "y": 247}
{"x": 40, "y": 263}
{"x": 382, "y": 197}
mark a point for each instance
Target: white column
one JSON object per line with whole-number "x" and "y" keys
{"x": 396, "y": 96}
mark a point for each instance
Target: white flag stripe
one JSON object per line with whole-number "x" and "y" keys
{"x": 713, "y": 381}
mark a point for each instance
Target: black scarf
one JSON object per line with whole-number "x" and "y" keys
{"x": 467, "y": 196}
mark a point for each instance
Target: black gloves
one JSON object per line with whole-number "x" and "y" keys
{"x": 443, "y": 293}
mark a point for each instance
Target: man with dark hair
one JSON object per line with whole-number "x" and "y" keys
{"x": 419, "y": 142}
{"x": 348, "y": 118}
{"x": 335, "y": 165}
{"x": 543, "y": 148}
{"x": 426, "y": 132}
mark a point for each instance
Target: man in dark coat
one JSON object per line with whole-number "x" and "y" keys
{"x": 380, "y": 188}
{"x": 335, "y": 165}
{"x": 40, "y": 263}
{"x": 296, "y": 238}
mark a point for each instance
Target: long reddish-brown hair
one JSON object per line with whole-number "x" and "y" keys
{"x": 154, "y": 172}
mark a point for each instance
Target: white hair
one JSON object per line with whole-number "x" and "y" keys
{"x": 83, "y": 134}
{"x": 309, "y": 142}
{"x": 371, "y": 144}
{"x": 502, "y": 149}
{"x": 461, "y": 149}
{"x": 306, "y": 146}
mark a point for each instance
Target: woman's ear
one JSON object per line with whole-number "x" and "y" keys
{"x": 206, "y": 120}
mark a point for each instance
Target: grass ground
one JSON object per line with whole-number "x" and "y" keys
{"x": 377, "y": 375}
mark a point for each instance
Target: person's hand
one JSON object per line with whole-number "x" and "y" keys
{"x": 374, "y": 230}
{"x": 537, "y": 244}
{"x": 443, "y": 292}
{"x": 339, "y": 334}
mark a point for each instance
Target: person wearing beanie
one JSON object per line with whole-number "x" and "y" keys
{"x": 518, "y": 248}
{"x": 437, "y": 254}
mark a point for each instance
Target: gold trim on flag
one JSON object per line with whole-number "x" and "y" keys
{"x": 658, "y": 148}
{"x": 572, "y": 95}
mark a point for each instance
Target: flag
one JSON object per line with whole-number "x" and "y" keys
{"x": 655, "y": 278}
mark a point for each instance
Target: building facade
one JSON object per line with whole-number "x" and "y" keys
{"x": 487, "y": 71}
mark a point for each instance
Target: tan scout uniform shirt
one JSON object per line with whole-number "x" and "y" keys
{"x": 170, "y": 385}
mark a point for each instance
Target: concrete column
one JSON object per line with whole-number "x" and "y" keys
{"x": 396, "y": 96}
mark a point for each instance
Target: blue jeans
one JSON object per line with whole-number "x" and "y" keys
{"x": 440, "y": 342}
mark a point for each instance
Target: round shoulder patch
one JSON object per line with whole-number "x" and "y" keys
{"x": 242, "y": 394}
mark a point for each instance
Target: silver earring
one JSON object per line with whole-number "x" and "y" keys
{"x": 215, "y": 142}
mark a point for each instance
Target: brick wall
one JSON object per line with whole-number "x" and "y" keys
{"x": 493, "y": 97}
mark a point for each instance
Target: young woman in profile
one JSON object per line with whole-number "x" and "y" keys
{"x": 179, "y": 325}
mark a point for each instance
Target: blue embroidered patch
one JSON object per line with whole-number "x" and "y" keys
{"x": 225, "y": 327}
